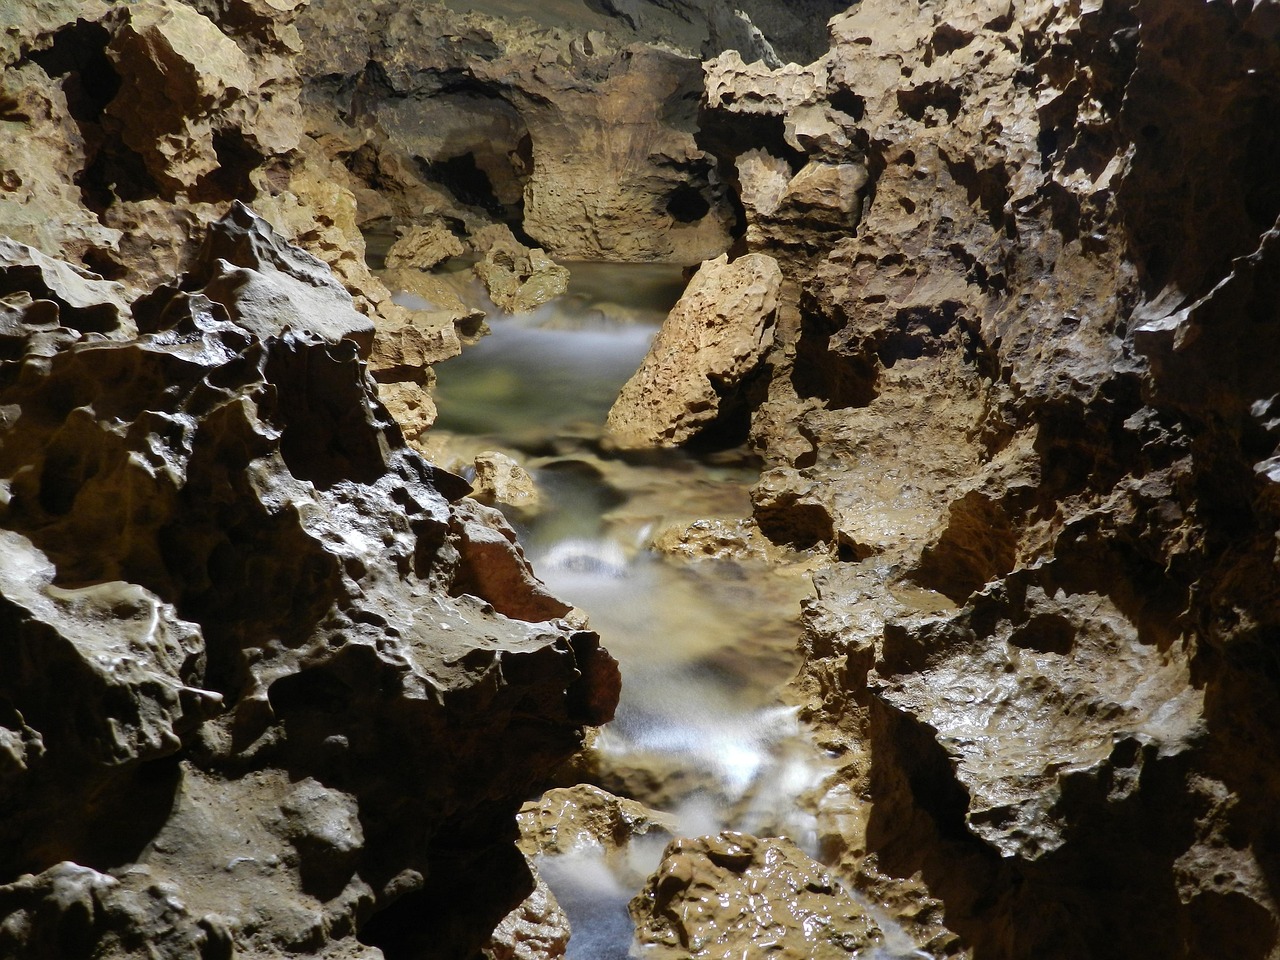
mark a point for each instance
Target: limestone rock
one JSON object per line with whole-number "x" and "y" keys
{"x": 179, "y": 72}
{"x": 517, "y": 277}
{"x": 228, "y": 588}
{"x": 567, "y": 818}
{"x": 424, "y": 247}
{"x": 500, "y": 479}
{"x": 699, "y": 363}
{"x": 586, "y": 143}
{"x": 268, "y": 285}
{"x": 81, "y": 300}
{"x": 536, "y": 930}
{"x": 990, "y": 400}
{"x": 733, "y": 895}
{"x": 45, "y": 151}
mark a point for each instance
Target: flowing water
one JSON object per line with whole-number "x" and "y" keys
{"x": 706, "y": 645}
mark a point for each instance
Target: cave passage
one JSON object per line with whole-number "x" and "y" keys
{"x": 705, "y": 645}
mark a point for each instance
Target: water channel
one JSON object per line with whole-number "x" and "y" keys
{"x": 706, "y": 643}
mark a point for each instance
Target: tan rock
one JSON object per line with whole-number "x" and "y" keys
{"x": 288, "y": 591}
{"x": 411, "y": 405}
{"x": 424, "y": 247}
{"x": 535, "y": 930}
{"x": 180, "y": 72}
{"x": 566, "y": 818}
{"x": 757, "y": 88}
{"x": 44, "y": 154}
{"x": 500, "y": 479}
{"x": 733, "y": 895}
{"x": 517, "y": 277}
{"x": 706, "y": 349}
{"x": 83, "y": 301}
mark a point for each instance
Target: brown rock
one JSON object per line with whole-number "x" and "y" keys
{"x": 179, "y": 73}
{"x": 287, "y": 591}
{"x": 500, "y": 479}
{"x": 734, "y": 895}
{"x": 697, "y": 368}
{"x": 517, "y": 277}
{"x": 424, "y": 247}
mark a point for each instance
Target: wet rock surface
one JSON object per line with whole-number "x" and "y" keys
{"x": 227, "y": 589}
{"x": 992, "y": 401}
{"x": 734, "y": 895}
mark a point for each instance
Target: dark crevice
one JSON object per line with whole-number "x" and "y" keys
{"x": 465, "y": 180}
{"x": 236, "y": 160}
{"x": 79, "y": 56}
{"x": 687, "y": 204}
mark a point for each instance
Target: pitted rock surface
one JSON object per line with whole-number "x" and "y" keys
{"x": 1022, "y": 403}
{"x": 734, "y": 896}
{"x": 697, "y": 371}
{"x": 228, "y": 590}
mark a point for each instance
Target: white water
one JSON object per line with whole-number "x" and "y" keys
{"x": 705, "y": 646}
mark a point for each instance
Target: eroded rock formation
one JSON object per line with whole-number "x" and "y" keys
{"x": 269, "y": 686}
{"x": 698, "y": 371}
{"x": 1009, "y": 368}
{"x": 1013, "y": 402}
{"x": 734, "y": 895}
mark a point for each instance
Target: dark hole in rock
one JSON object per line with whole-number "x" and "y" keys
{"x": 846, "y": 101}
{"x": 310, "y": 690}
{"x": 842, "y": 378}
{"x": 464, "y": 898}
{"x": 687, "y": 204}
{"x": 60, "y": 482}
{"x": 103, "y": 264}
{"x": 1261, "y": 187}
{"x": 917, "y": 101}
{"x": 797, "y": 523}
{"x": 465, "y": 180}
{"x": 1046, "y": 633}
{"x": 115, "y": 172}
{"x": 79, "y": 53}
{"x": 11, "y": 111}
{"x": 236, "y": 160}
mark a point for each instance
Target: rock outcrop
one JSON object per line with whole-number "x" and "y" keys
{"x": 257, "y": 698}
{"x": 697, "y": 373}
{"x": 1010, "y": 392}
{"x": 733, "y": 895}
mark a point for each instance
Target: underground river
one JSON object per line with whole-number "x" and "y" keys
{"x": 653, "y": 549}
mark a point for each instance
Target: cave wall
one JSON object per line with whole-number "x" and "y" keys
{"x": 1021, "y": 390}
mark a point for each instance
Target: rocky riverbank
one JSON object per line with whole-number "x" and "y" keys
{"x": 272, "y": 684}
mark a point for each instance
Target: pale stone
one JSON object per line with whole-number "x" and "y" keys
{"x": 424, "y": 246}
{"x": 728, "y": 896}
{"x": 500, "y": 479}
{"x": 712, "y": 341}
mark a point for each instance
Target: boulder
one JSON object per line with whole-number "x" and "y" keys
{"x": 733, "y": 895}
{"x": 517, "y": 277}
{"x": 700, "y": 363}
{"x": 424, "y": 246}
